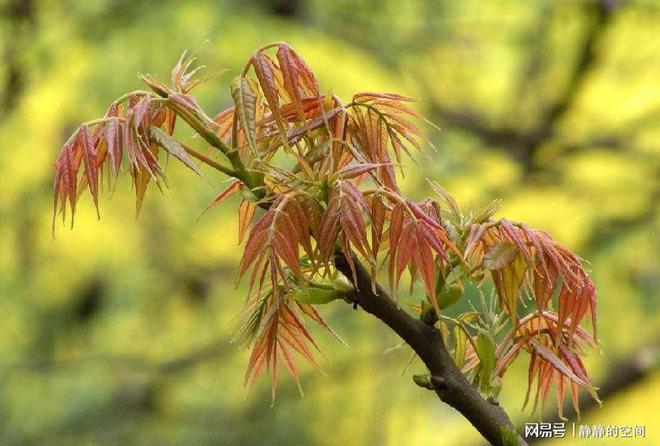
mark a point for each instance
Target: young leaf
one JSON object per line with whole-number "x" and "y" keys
{"x": 316, "y": 296}
{"x": 113, "y": 137}
{"x": 230, "y": 190}
{"x": 246, "y": 212}
{"x": 344, "y": 216}
{"x": 449, "y": 296}
{"x": 245, "y": 100}
{"x": 460, "y": 338}
{"x": 66, "y": 170}
{"x": 86, "y": 144}
{"x": 557, "y": 363}
{"x": 290, "y": 77}
{"x": 263, "y": 68}
{"x": 378, "y": 215}
{"x": 500, "y": 256}
{"x": 414, "y": 235}
{"x": 173, "y": 147}
{"x": 486, "y": 353}
{"x": 141, "y": 180}
{"x": 508, "y": 281}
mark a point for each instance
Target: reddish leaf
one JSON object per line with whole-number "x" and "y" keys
{"x": 282, "y": 333}
{"x": 274, "y": 240}
{"x": 141, "y": 179}
{"x": 263, "y": 68}
{"x": 66, "y": 169}
{"x": 173, "y": 147}
{"x": 378, "y": 214}
{"x": 113, "y": 136}
{"x": 234, "y": 186}
{"x": 141, "y": 112}
{"x": 246, "y": 212}
{"x": 368, "y": 96}
{"x": 290, "y": 77}
{"x": 308, "y": 80}
{"x": 357, "y": 170}
{"x": 516, "y": 238}
{"x": 86, "y": 144}
{"x": 557, "y": 363}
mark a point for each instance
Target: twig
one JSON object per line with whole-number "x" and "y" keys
{"x": 447, "y": 381}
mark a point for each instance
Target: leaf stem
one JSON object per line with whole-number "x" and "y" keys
{"x": 126, "y": 96}
{"x": 209, "y": 161}
{"x": 251, "y": 180}
{"x": 101, "y": 121}
{"x": 239, "y": 172}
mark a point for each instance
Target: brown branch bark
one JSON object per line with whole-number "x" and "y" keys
{"x": 447, "y": 380}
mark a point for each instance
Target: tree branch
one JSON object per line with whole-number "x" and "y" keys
{"x": 600, "y": 13}
{"x": 447, "y": 380}
{"x": 523, "y": 144}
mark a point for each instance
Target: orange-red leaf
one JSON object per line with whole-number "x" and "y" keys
{"x": 66, "y": 170}
{"x": 290, "y": 77}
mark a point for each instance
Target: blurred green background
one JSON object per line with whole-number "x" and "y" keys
{"x": 117, "y": 332}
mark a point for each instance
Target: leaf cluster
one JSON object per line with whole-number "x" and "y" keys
{"x": 317, "y": 177}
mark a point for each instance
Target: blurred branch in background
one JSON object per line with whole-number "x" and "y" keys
{"x": 143, "y": 384}
{"x": 609, "y": 229}
{"x": 212, "y": 351}
{"x": 138, "y": 393}
{"x": 523, "y": 144}
{"x": 20, "y": 19}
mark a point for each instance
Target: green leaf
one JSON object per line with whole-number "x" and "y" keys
{"x": 486, "y": 353}
{"x": 341, "y": 283}
{"x": 248, "y": 195}
{"x": 509, "y": 436}
{"x": 449, "y": 296}
{"x": 440, "y": 284}
{"x": 500, "y": 255}
{"x": 469, "y": 316}
{"x": 459, "y": 350}
{"x": 486, "y": 213}
{"x": 316, "y": 296}
{"x": 446, "y": 196}
{"x": 245, "y": 100}
{"x": 173, "y": 147}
